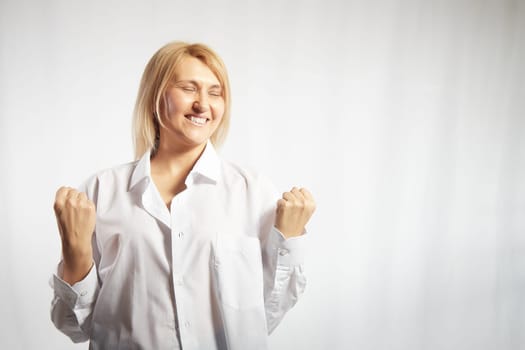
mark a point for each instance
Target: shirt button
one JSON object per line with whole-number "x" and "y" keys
{"x": 283, "y": 252}
{"x": 181, "y": 234}
{"x": 186, "y": 324}
{"x": 83, "y": 293}
{"x": 179, "y": 281}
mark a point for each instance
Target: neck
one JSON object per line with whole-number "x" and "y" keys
{"x": 175, "y": 159}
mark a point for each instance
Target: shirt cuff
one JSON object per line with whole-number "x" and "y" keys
{"x": 290, "y": 251}
{"x": 80, "y": 294}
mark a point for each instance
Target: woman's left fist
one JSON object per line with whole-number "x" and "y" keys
{"x": 293, "y": 211}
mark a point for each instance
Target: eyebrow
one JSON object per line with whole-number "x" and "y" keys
{"x": 194, "y": 82}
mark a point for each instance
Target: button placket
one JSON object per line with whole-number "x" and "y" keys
{"x": 179, "y": 234}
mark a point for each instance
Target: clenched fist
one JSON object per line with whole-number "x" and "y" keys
{"x": 294, "y": 210}
{"x": 76, "y": 217}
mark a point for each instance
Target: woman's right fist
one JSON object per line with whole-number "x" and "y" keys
{"x": 76, "y": 217}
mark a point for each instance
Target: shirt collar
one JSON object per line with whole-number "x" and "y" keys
{"x": 207, "y": 167}
{"x": 141, "y": 174}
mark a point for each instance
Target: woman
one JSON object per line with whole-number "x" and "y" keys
{"x": 179, "y": 249}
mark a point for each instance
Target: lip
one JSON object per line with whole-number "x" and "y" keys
{"x": 189, "y": 116}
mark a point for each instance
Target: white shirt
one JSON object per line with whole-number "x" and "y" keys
{"x": 210, "y": 273}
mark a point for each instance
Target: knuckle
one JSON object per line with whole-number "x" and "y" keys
{"x": 57, "y": 206}
{"x": 71, "y": 202}
{"x": 60, "y": 190}
{"x": 306, "y": 193}
{"x": 298, "y": 203}
{"x": 88, "y": 206}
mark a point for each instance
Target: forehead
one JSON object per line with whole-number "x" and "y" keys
{"x": 192, "y": 68}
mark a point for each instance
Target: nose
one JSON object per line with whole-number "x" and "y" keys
{"x": 201, "y": 104}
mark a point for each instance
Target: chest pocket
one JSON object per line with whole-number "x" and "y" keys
{"x": 237, "y": 267}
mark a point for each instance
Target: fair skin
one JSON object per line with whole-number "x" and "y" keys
{"x": 192, "y": 110}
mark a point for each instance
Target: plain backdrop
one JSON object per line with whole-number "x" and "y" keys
{"x": 404, "y": 118}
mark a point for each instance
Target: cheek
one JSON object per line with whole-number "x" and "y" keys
{"x": 166, "y": 107}
{"x": 171, "y": 105}
{"x": 174, "y": 103}
{"x": 218, "y": 110}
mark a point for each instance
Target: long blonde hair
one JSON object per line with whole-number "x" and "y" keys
{"x": 156, "y": 78}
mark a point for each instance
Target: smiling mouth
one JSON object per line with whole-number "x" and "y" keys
{"x": 197, "y": 120}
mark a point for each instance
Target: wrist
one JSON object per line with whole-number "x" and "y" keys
{"x": 289, "y": 232}
{"x": 74, "y": 271}
{"x": 76, "y": 263}
{"x": 76, "y": 248}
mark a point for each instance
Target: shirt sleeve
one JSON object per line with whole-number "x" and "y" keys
{"x": 285, "y": 280}
{"x": 283, "y": 263}
{"x": 72, "y": 306}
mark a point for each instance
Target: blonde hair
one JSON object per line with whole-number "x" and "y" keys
{"x": 158, "y": 74}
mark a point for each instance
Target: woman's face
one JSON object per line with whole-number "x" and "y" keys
{"x": 194, "y": 105}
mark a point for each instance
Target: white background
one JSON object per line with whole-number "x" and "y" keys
{"x": 404, "y": 118}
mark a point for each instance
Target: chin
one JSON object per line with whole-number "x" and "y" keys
{"x": 196, "y": 141}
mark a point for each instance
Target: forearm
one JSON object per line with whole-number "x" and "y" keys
{"x": 76, "y": 263}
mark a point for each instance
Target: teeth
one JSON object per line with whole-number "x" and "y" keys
{"x": 200, "y": 121}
